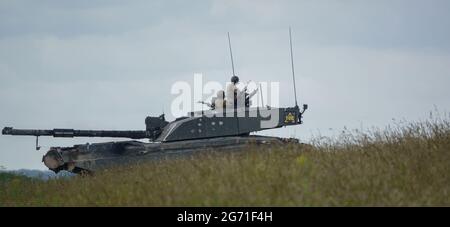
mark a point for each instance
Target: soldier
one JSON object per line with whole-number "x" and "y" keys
{"x": 248, "y": 96}
{"x": 233, "y": 92}
{"x": 219, "y": 101}
{"x": 237, "y": 97}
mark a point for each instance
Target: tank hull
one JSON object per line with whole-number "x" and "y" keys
{"x": 97, "y": 156}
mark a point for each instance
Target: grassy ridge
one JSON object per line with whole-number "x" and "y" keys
{"x": 408, "y": 164}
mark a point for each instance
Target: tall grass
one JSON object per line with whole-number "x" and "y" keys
{"x": 407, "y": 164}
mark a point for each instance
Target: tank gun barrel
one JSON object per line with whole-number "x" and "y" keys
{"x": 75, "y": 133}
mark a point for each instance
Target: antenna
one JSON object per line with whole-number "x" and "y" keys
{"x": 260, "y": 92}
{"x": 231, "y": 54}
{"x": 292, "y": 66}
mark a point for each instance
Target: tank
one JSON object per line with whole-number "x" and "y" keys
{"x": 217, "y": 129}
{"x": 211, "y": 130}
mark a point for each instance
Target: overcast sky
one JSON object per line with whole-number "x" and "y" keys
{"x": 108, "y": 64}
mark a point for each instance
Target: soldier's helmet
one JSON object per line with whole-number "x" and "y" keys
{"x": 234, "y": 79}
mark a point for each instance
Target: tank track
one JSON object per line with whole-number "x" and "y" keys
{"x": 87, "y": 158}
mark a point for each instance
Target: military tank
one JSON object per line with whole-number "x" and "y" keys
{"x": 215, "y": 129}
{"x": 199, "y": 131}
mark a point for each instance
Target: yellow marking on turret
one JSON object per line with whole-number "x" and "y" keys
{"x": 290, "y": 118}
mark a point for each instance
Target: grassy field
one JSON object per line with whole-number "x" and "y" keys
{"x": 407, "y": 164}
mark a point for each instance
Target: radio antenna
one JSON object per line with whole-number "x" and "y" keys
{"x": 292, "y": 66}
{"x": 231, "y": 54}
{"x": 260, "y": 91}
